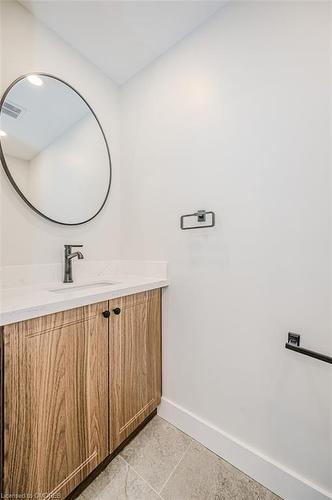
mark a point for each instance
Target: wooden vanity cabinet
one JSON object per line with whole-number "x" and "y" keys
{"x": 55, "y": 401}
{"x": 75, "y": 385}
{"x": 135, "y": 362}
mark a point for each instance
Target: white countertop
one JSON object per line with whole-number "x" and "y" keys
{"x": 26, "y": 302}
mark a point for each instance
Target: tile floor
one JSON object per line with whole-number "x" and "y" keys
{"x": 162, "y": 462}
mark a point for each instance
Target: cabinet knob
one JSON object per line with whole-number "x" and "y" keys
{"x": 117, "y": 310}
{"x": 106, "y": 314}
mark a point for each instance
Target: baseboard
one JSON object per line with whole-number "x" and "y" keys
{"x": 274, "y": 476}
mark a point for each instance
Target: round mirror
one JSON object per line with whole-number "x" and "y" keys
{"x": 53, "y": 149}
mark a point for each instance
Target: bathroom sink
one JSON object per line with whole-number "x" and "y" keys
{"x": 82, "y": 287}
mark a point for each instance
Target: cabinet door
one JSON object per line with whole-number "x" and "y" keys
{"x": 56, "y": 401}
{"x": 135, "y": 371}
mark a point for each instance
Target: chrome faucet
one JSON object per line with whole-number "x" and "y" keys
{"x": 68, "y": 278}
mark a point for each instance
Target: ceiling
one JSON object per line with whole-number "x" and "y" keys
{"x": 122, "y": 37}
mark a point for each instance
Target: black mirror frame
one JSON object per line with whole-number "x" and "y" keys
{"x": 10, "y": 177}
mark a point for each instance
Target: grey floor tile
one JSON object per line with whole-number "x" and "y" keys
{"x": 202, "y": 475}
{"x": 155, "y": 451}
{"x": 118, "y": 482}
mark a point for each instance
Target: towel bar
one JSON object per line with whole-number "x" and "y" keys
{"x": 294, "y": 345}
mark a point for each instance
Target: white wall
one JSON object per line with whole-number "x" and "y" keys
{"x": 26, "y": 238}
{"x": 235, "y": 119}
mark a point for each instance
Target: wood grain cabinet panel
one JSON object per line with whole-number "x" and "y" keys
{"x": 55, "y": 401}
{"x": 135, "y": 362}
